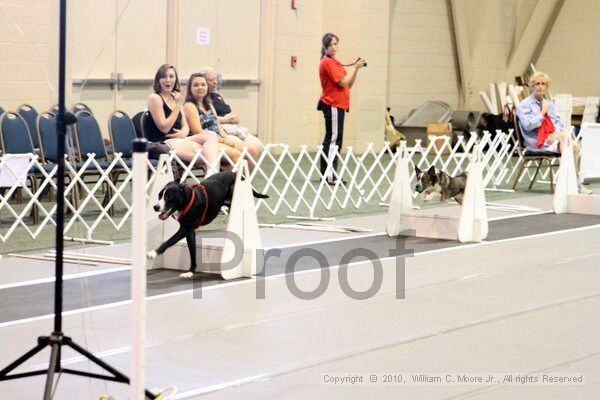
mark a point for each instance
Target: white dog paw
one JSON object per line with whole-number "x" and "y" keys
{"x": 151, "y": 255}
{"x": 186, "y": 275}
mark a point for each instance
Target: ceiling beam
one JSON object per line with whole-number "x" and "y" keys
{"x": 461, "y": 41}
{"x": 534, "y": 37}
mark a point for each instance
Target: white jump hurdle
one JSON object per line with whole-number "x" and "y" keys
{"x": 212, "y": 255}
{"x": 590, "y": 151}
{"x": 470, "y": 225}
{"x": 243, "y": 222}
{"x": 158, "y": 231}
{"x": 566, "y": 195}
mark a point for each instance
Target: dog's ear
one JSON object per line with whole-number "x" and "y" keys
{"x": 431, "y": 172}
{"x": 417, "y": 170}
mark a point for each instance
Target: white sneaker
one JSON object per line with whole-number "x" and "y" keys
{"x": 584, "y": 190}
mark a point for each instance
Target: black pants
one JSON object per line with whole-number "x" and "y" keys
{"x": 334, "y": 133}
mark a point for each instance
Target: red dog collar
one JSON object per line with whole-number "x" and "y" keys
{"x": 191, "y": 202}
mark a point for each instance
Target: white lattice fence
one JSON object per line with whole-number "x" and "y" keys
{"x": 293, "y": 181}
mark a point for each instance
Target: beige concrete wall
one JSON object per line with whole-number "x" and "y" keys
{"x": 422, "y": 56}
{"x": 28, "y": 53}
{"x": 98, "y": 46}
{"x": 491, "y": 27}
{"x": 409, "y": 44}
{"x": 233, "y": 49}
{"x": 424, "y": 60}
{"x": 571, "y": 55}
{"x": 362, "y": 27}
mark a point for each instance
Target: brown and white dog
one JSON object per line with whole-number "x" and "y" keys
{"x": 434, "y": 184}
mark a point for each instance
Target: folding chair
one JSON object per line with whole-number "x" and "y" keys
{"x": 533, "y": 159}
{"x": 47, "y": 137}
{"x": 122, "y": 134}
{"x": 137, "y": 123}
{"x": 53, "y": 109}
{"x": 30, "y": 115}
{"x": 88, "y": 140}
{"x": 81, "y": 107}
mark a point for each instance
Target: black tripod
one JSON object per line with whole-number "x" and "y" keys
{"x": 57, "y": 339}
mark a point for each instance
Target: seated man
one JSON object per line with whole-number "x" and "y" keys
{"x": 540, "y": 123}
{"x": 230, "y": 121}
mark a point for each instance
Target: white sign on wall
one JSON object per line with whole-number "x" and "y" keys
{"x": 202, "y": 36}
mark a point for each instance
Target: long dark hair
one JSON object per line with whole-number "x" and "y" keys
{"x": 326, "y": 41}
{"x": 190, "y": 97}
{"x": 161, "y": 73}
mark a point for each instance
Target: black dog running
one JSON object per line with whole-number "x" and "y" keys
{"x": 196, "y": 205}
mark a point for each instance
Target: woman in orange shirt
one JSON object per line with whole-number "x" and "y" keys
{"x": 335, "y": 100}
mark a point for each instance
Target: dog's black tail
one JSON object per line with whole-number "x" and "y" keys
{"x": 259, "y": 195}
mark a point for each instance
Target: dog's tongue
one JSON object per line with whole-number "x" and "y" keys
{"x": 163, "y": 215}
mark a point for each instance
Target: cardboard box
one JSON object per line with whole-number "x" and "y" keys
{"x": 578, "y": 110}
{"x": 440, "y": 129}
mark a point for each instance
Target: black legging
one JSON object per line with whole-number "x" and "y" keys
{"x": 334, "y": 132}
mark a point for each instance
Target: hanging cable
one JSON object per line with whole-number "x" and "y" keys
{"x": 104, "y": 43}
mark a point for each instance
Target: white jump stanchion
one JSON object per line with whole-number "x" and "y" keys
{"x": 243, "y": 222}
{"x": 566, "y": 178}
{"x": 473, "y": 223}
{"x": 138, "y": 271}
{"x": 566, "y": 195}
{"x": 158, "y": 231}
{"x": 470, "y": 226}
{"x": 589, "y": 166}
{"x": 401, "y": 202}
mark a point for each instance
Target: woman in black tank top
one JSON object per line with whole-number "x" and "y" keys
{"x": 166, "y": 122}
{"x": 153, "y": 134}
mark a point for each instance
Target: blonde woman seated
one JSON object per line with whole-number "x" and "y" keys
{"x": 167, "y": 122}
{"x": 202, "y": 116}
{"x": 230, "y": 121}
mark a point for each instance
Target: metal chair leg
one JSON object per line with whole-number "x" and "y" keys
{"x": 551, "y": 176}
{"x": 518, "y": 175}
{"x": 539, "y": 165}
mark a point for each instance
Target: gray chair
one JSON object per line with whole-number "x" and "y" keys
{"x": 533, "y": 159}
{"x": 88, "y": 140}
{"x": 30, "y": 115}
{"x": 80, "y": 107}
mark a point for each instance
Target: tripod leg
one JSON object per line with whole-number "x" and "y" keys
{"x": 52, "y": 367}
{"x": 42, "y": 343}
{"x": 120, "y": 376}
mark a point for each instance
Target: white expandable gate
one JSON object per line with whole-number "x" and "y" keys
{"x": 212, "y": 255}
{"x": 470, "y": 226}
{"x": 293, "y": 181}
{"x": 566, "y": 195}
{"x": 589, "y": 166}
